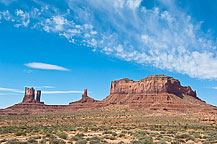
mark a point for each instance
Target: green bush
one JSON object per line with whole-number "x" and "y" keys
{"x": 56, "y": 141}
{"x": 121, "y": 135}
{"x": 32, "y": 140}
{"x": 43, "y": 141}
{"x": 74, "y": 138}
{"x": 147, "y": 140}
{"x": 4, "y": 140}
{"x": 175, "y": 141}
{"x": 62, "y": 135}
{"x": 80, "y": 135}
{"x": 81, "y": 141}
{"x": 94, "y": 140}
{"x": 16, "y": 141}
{"x": 135, "y": 142}
{"x": 20, "y": 133}
{"x": 185, "y": 136}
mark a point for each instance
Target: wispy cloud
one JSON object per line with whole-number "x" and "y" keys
{"x": 45, "y": 66}
{"x": 28, "y": 71}
{"x": 11, "y": 90}
{"x": 7, "y": 2}
{"x": 42, "y": 87}
{"x": 166, "y": 38}
{"x": 61, "y": 92}
{"x": 50, "y": 87}
{"x": 214, "y": 87}
{"x": 43, "y": 92}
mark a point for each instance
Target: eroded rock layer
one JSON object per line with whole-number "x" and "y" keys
{"x": 157, "y": 92}
{"x": 152, "y": 84}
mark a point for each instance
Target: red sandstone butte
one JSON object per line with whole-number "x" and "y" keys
{"x": 155, "y": 92}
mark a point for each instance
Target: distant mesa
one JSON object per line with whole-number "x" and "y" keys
{"x": 155, "y": 92}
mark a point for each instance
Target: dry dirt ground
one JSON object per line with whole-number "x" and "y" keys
{"x": 109, "y": 125}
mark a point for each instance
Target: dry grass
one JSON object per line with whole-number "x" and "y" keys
{"x": 109, "y": 125}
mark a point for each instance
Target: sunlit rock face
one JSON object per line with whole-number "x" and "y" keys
{"x": 151, "y": 84}
{"x": 155, "y": 91}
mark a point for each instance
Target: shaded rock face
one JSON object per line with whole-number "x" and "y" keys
{"x": 29, "y": 95}
{"x": 151, "y": 84}
{"x": 38, "y": 96}
{"x": 157, "y": 91}
{"x": 85, "y": 99}
{"x": 154, "y": 92}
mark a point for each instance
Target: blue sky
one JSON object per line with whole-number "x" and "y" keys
{"x": 63, "y": 47}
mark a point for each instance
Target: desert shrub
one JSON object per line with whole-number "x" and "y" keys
{"x": 121, "y": 142}
{"x": 162, "y": 132}
{"x": 161, "y": 142}
{"x": 32, "y": 140}
{"x": 80, "y": 135}
{"x": 62, "y": 135}
{"x": 20, "y": 133}
{"x": 135, "y": 142}
{"x": 106, "y": 137}
{"x": 74, "y": 138}
{"x": 81, "y": 141}
{"x": 112, "y": 138}
{"x": 94, "y": 128}
{"x": 15, "y": 141}
{"x": 171, "y": 132}
{"x": 37, "y": 137}
{"x": 114, "y": 134}
{"x": 166, "y": 139}
{"x": 184, "y": 136}
{"x": 56, "y": 141}
{"x": 3, "y": 140}
{"x": 94, "y": 140}
{"x": 43, "y": 141}
{"x": 147, "y": 140}
{"x": 107, "y": 132}
{"x": 138, "y": 136}
{"x": 124, "y": 132}
{"x": 121, "y": 135}
{"x": 209, "y": 141}
{"x": 175, "y": 141}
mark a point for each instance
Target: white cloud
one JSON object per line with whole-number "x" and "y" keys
{"x": 42, "y": 87}
{"x": 165, "y": 38}
{"x": 47, "y": 87}
{"x": 45, "y": 66}
{"x": 7, "y": 2}
{"x": 28, "y": 71}
{"x": 61, "y": 92}
{"x": 43, "y": 92}
{"x": 134, "y": 3}
{"x": 24, "y": 18}
{"x": 11, "y": 90}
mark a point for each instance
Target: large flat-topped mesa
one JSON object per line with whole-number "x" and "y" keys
{"x": 151, "y": 84}
{"x": 156, "y": 92}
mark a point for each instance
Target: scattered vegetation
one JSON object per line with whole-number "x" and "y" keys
{"x": 95, "y": 127}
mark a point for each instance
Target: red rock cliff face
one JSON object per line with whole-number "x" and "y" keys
{"x": 151, "y": 84}
{"x": 29, "y": 95}
{"x": 156, "y": 91}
